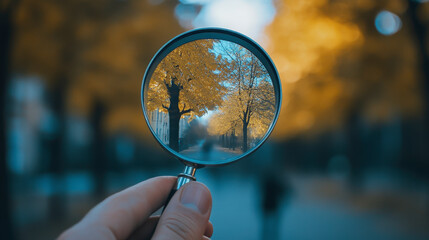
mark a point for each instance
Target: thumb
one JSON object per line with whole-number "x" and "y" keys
{"x": 186, "y": 216}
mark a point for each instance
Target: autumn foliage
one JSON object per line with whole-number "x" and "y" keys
{"x": 217, "y": 78}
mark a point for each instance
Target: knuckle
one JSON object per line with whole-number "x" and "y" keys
{"x": 180, "y": 225}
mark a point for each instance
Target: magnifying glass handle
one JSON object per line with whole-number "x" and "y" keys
{"x": 188, "y": 175}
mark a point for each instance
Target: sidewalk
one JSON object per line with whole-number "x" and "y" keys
{"x": 319, "y": 208}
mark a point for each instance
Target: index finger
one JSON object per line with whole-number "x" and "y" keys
{"x": 118, "y": 215}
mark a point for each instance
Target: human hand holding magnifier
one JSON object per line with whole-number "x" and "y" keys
{"x": 210, "y": 97}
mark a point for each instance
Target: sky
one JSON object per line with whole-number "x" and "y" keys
{"x": 249, "y": 17}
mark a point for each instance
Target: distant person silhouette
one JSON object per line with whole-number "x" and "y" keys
{"x": 276, "y": 190}
{"x": 207, "y": 146}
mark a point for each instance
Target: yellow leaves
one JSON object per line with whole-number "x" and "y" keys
{"x": 34, "y": 45}
{"x": 423, "y": 12}
{"x": 330, "y": 35}
{"x": 126, "y": 118}
{"x": 221, "y": 124}
{"x": 365, "y": 4}
{"x": 330, "y": 72}
{"x": 113, "y": 51}
{"x": 79, "y": 101}
{"x": 312, "y": 106}
{"x": 191, "y": 68}
{"x": 397, "y": 6}
{"x": 305, "y": 43}
{"x": 31, "y": 13}
{"x": 86, "y": 31}
{"x": 306, "y": 6}
{"x": 300, "y": 37}
{"x": 228, "y": 119}
{"x": 99, "y": 48}
{"x": 249, "y": 103}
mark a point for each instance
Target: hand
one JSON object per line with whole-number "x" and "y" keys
{"x": 126, "y": 215}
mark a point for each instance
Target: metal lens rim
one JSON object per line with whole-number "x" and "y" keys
{"x": 220, "y": 34}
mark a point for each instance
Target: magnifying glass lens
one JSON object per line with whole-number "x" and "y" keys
{"x": 210, "y": 101}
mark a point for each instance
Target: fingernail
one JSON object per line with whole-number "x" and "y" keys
{"x": 196, "y": 196}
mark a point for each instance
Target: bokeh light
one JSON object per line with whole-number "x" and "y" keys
{"x": 387, "y": 23}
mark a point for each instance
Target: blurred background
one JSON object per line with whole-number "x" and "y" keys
{"x": 348, "y": 158}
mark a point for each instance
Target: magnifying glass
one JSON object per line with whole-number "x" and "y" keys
{"x": 210, "y": 97}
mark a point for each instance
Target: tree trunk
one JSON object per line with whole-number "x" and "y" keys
{"x": 355, "y": 150}
{"x": 5, "y": 202}
{"x": 420, "y": 33}
{"x": 245, "y": 136}
{"x": 421, "y": 37}
{"x": 99, "y": 161}
{"x": 233, "y": 140}
{"x": 57, "y": 204}
{"x": 174, "y": 116}
{"x": 56, "y": 161}
{"x": 174, "y": 131}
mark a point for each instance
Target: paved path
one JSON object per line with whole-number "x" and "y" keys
{"x": 216, "y": 154}
{"x": 314, "y": 211}
{"x": 236, "y": 215}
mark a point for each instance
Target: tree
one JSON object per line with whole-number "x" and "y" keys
{"x": 91, "y": 57}
{"x": 250, "y": 101}
{"x": 7, "y": 9}
{"x": 186, "y": 82}
{"x": 339, "y": 74}
{"x": 420, "y": 32}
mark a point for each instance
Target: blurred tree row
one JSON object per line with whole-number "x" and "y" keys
{"x": 336, "y": 64}
{"x": 96, "y": 50}
{"x": 91, "y": 57}
{"x": 249, "y": 104}
{"x": 340, "y": 74}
